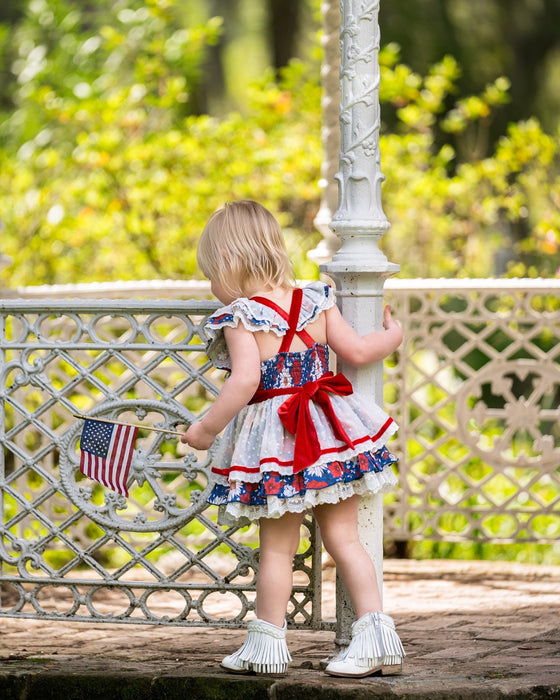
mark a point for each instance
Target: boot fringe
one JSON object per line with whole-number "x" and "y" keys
{"x": 393, "y": 649}
{"x": 265, "y": 649}
{"x": 365, "y": 647}
{"x": 375, "y": 646}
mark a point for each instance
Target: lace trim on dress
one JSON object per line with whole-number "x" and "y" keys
{"x": 239, "y": 514}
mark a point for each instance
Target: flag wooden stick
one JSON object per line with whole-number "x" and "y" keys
{"x": 132, "y": 425}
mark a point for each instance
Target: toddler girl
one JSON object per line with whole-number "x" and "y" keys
{"x": 297, "y": 438}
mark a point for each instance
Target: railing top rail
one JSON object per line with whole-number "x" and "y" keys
{"x": 510, "y": 284}
{"x": 170, "y": 290}
{"x": 126, "y": 289}
{"x": 100, "y": 306}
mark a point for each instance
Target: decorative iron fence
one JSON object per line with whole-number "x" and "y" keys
{"x": 70, "y": 549}
{"x": 476, "y": 392}
{"x": 475, "y": 389}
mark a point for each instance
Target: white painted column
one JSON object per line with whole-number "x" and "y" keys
{"x": 330, "y": 131}
{"x": 359, "y": 267}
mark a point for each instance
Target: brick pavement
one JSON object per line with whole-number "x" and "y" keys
{"x": 476, "y": 630}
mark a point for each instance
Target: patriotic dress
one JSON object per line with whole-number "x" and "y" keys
{"x": 305, "y": 438}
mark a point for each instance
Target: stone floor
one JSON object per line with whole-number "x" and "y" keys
{"x": 472, "y": 630}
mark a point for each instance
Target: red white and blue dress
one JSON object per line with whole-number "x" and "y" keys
{"x": 305, "y": 438}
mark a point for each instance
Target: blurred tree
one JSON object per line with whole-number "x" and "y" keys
{"x": 125, "y": 174}
{"x": 255, "y": 36}
{"x": 489, "y": 38}
{"x": 210, "y": 93}
{"x": 69, "y": 54}
{"x": 122, "y": 177}
{"x": 102, "y": 152}
{"x": 284, "y": 18}
{"x": 11, "y": 13}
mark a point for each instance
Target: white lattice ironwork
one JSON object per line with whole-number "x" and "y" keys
{"x": 476, "y": 392}
{"x": 475, "y": 389}
{"x": 72, "y": 549}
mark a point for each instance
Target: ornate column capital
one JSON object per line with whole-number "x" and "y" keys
{"x": 359, "y": 220}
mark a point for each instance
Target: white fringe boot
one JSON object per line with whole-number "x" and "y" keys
{"x": 265, "y": 651}
{"x": 375, "y": 646}
{"x": 392, "y": 646}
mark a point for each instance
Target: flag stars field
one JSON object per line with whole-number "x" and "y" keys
{"x": 96, "y": 437}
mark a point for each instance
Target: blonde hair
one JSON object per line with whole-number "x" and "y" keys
{"x": 242, "y": 243}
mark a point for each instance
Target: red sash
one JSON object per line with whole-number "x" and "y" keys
{"x": 296, "y": 418}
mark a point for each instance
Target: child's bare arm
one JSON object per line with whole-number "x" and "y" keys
{"x": 366, "y": 349}
{"x": 236, "y": 393}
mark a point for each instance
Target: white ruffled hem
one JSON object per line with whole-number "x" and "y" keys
{"x": 240, "y": 514}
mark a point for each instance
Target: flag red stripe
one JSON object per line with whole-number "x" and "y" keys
{"x": 112, "y": 461}
{"x": 121, "y": 458}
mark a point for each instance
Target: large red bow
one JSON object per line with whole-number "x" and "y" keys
{"x": 296, "y": 418}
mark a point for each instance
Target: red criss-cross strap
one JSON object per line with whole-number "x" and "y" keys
{"x": 294, "y": 412}
{"x": 292, "y": 318}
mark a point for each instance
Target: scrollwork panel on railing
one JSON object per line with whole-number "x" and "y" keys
{"x": 70, "y": 547}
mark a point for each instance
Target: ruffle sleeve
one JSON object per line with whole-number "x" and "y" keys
{"x": 317, "y": 297}
{"x": 255, "y": 316}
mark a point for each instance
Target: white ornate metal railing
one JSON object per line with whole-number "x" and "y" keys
{"x": 475, "y": 389}
{"x": 71, "y": 549}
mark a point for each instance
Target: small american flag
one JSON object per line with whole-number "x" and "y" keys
{"x": 106, "y": 453}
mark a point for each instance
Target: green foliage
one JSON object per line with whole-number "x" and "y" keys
{"x": 73, "y": 63}
{"x": 119, "y": 185}
{"x": 456, "y": 212}
{"x": 105, "y": 174}
{"x": 489, "y": 38}
{"x": 548, "y": 554}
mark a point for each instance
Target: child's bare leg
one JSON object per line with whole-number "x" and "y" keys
{"x": 265, "y": 650}
{"x": 279, "y": 540}
{"x": 339, "y": 530}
